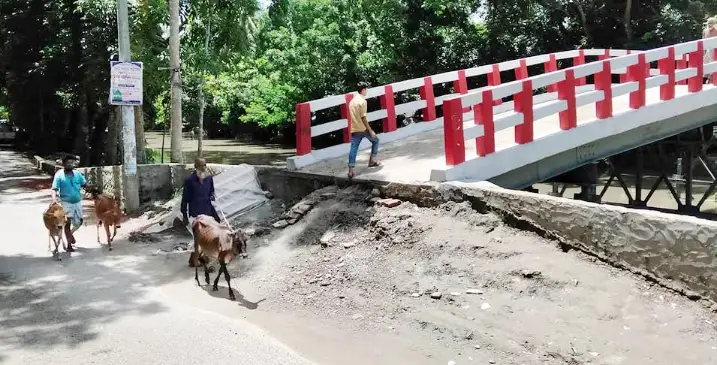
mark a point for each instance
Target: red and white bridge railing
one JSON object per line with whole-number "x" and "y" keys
{"x": 681, "y": 64}
{"x": 428, "y": 103}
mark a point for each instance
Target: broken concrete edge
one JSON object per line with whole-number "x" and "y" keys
{"x": 673, "y": 251}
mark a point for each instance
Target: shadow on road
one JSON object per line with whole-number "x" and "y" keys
{"x": 44, "y": 303}
{"x": 223, "y": 293}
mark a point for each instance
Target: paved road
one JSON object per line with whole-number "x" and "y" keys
{"x": 99, "y": 307}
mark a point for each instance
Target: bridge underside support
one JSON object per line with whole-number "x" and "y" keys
{"x": 685, "y": 166}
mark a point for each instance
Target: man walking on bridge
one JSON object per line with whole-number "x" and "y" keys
{"x": 67, "y": 184}
{"x": 360, "y": 129}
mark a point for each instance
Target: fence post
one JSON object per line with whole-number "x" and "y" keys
{"x": 637, "y": 73}
{"x": 524, "y": 104}
{"x": 303, "y": 129}
{"x": 388, "y": 103}
{"x": 625, "y": 77}
{"x": 453, "y": 132}
{"x": 566, "y": 92}
{"x": 667, "y": 67}
{"x": 577, "y": 61}
{"x": 697, "y": 61}
{"x": 604, "y": 56}
{"x": 551, "y": 66}
{"x": 426, "y": 91}
{"x": 522, "y": 71}
{"x": 681, "y": 65}
{"x": 603, "y": 82}
{"x": 483, "y": 115}
{"x": 345, "y": 114}
{"x": 713, "y": 75}
{"x": 460, "y": 86}
{"x": 494, "y": 80}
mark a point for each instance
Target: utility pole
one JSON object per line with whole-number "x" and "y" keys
{"x": 129, "y": 165}
{"x": 174, "y": 64}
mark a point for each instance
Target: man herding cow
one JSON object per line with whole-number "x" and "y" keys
{"x": 68, "y": 183}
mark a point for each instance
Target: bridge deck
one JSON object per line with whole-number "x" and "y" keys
{"x": 411, "y": 159}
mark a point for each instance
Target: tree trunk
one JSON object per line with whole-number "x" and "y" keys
{"x": 81, "y": 130}
{"x": 113, "y": 130}
{"x": 627, "y": 20}
{"x": 584, "y": 22}
{"x": 202, "y": 98}
{"x": 139, "y": 133}
{"x": 202, "y": 104}
{"x": 176, "y": 153}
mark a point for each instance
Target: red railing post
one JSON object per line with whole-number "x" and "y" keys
{"x": 624, "y": 77}
{"x": 494, "y": 80}
{"x": 697, "y": 61}
{"x": 388, "y": 103}
{"x": 483, "y": 115}
{"x": 303, "y": 129}
{"x": 637, "y": 73}
{"x": 681, "y": 65}
{"x": 667, "y": 68}
{"x": 713, "y": 75}
{"x": 460, "y": 86}
{"x": 345, "y": 114}
{"x": 522, "y": 71}
{"x": 603, "y": 82}
{"x": 566, "y": 92}
{"x": 551, "y": 66}
{"x": 604, "y": 56}
{"x": 577, "y": 61}
{"x": 524, "y": 104}
{"x": 426, "y": 91}
{"x": 453, "y": 132}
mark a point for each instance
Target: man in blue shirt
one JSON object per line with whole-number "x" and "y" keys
{"x": 198, "y": 194}
{"x": 68, "y": 183}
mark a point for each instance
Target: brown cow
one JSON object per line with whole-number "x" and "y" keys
{"x": 107, "y": 213}
{"x": 212, "y": 239}
{"x": 55, "y": 219}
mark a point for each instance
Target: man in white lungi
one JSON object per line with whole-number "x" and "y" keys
{"x": 68, "y": 183}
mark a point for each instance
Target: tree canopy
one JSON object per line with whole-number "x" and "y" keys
{"x": 253, "y": 65}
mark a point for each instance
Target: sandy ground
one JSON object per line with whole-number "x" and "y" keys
{"x": 410, "y": 285}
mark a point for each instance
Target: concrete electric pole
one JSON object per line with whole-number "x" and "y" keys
{"x": 174, "y": 63}
{"x": 129, "y": 165}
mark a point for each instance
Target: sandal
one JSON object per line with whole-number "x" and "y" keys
{"x": 374, "y": 164}
{"x": 351, "y": 176}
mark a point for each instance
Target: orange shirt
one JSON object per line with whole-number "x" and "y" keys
{"x": 358, "y": 110}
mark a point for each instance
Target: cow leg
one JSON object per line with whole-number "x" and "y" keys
{"x": 206, "y": 272}
{"x": 109, "y": 240}
{"x": 99, "y": 222}
{"x": 56, "y": 253}
{"x": 216, "y": 281}
{"x": 196, "y": 274}
{"x": 228, "y": 279}
{"x": 114, "y": 232}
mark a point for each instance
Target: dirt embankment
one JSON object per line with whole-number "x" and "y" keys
{"x": 461, "y": 287}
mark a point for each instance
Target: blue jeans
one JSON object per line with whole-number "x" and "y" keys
{"x": 356, "y": 139}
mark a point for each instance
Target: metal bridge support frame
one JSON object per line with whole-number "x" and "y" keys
{"x": 588, "y": 189}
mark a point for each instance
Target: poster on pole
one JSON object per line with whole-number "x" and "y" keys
{"x": 125, "y": 83}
